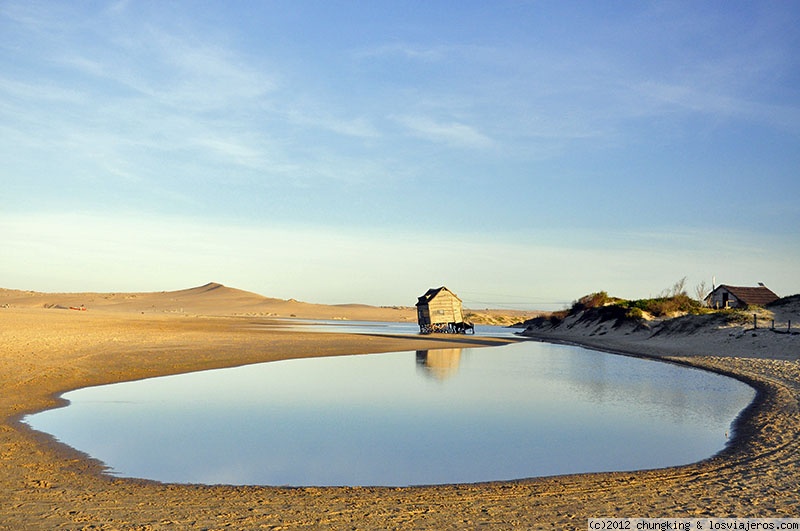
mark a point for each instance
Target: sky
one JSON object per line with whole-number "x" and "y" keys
{"x": 522, "y": 153}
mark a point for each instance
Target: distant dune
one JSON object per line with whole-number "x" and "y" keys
{"x": 214, "y": 299}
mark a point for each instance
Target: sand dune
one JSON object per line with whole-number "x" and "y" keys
{"x": 775, "y": 333}
{"x": 214, "y": 299}
{"x": 210, "y": 299}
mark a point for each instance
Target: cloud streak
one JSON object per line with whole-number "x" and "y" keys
{"x": 453, "y": 133}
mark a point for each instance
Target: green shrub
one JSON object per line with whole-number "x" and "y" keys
{"x": 606, "y": 307}
{"x": 593, "y": 300}
{"x": 662, "y": 306}
{"x": 634, "y": 313}
{"x": 738, "y": 316}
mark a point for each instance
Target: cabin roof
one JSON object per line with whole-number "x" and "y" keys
{"x": 753, "y": 296}
{"x": 432, "y": 293}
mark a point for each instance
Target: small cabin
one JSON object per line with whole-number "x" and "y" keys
{"x": 724, "y": 296}
{"x": 439, "y": 310}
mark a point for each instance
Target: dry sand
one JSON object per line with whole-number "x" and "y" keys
{"x": 214, "y": 299}
{"x": 46, "y": 485}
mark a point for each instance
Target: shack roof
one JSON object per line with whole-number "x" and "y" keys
{"x": 432, "y": 293}
{"x": 752, "y": 296}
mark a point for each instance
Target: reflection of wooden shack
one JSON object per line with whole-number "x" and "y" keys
{"x": 439, "y": 310}
{"x": 439, "y": 363}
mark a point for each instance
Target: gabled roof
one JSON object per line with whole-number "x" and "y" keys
{"x": 432, "y": 293}
{"x": 757, "y": 296}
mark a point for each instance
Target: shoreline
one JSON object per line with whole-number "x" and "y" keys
{"x": 51, "y": 485}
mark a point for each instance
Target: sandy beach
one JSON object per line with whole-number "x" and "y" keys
{"x": 49, "y": 349}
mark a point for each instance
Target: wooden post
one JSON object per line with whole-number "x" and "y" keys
{"x": 773, "y": 325}
{"x": 755, "y": 321}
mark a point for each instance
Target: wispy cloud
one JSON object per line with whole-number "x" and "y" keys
{"x": 408, "y": 51}
{"x": 40, "y": 91}
{"x": 180, "y": 72}
{"x": 453, "y": 133}
{"x": 720, "y": 102}
{"x": 312, "y": 114}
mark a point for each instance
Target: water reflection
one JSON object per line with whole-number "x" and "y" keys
{"x": 618, "y": 379}
{"x": 440, "y": 363}
{"x": 452, "y": 416}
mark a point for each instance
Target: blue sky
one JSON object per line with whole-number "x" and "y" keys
{"x": 521, "y": 153}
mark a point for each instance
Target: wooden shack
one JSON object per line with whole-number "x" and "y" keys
{"x": 439, "y": 310}
{"x": 724, "y": 296}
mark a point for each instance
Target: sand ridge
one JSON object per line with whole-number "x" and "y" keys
{"x": 214, "y": 299}
{"x": 49, "y": 486}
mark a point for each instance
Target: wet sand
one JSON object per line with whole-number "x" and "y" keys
{"x": 47, "y": 485}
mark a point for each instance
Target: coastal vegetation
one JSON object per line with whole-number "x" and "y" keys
{"x": 673, "y": 302}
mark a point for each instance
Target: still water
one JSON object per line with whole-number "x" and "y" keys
{"x": 407, "y": 418}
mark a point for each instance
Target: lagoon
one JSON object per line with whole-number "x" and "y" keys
{"x": 407, "y": 418}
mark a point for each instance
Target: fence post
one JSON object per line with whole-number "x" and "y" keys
{"x": 755, "y": 321}
{"x": 773, "y": 325}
